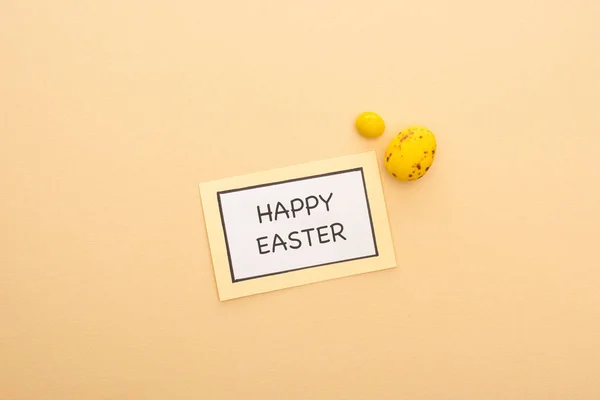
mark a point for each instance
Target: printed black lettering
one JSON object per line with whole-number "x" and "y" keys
{"x": 308, "y": 206}
{"x": 322, "y": 234}
{"x": 294, "y": 208}
{"x": 292, "y": 238}
{"x": 262, "y": 214}
{"x": 261, "y": 245}
{"x": 335, "y": 233}
{"x": 326, "y": 201}
{"x": 280, "y": 209}
{"x": 308, "y": 234}
{"x": 278, "y": 241}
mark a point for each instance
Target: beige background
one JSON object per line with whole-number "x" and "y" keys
{"x": 112, "y": 112}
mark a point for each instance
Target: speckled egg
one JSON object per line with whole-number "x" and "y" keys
{"x": 410, "y": 154}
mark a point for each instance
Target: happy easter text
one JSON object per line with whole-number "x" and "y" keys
{"x": 297, "y": 239}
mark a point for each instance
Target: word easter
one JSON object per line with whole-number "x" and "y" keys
{"x": 296, "y": 239}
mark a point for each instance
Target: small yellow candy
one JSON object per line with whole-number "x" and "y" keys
{"x": 411, "y": 153}
{"x": 370, "y": 124}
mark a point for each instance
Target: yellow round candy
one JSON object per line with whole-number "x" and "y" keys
{"x": 411, "y": 153}
{"x": 370, "y": 124}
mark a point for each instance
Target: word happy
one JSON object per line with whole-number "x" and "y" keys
{"x": 297, "y": 239}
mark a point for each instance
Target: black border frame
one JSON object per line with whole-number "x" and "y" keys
{"x": 233, "y": 280}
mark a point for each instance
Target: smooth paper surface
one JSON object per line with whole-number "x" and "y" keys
{"x": 112, "y": 113}
{"x": 297, "y": 225}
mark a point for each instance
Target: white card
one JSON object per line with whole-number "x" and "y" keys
{"x": 301, "y": 223}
